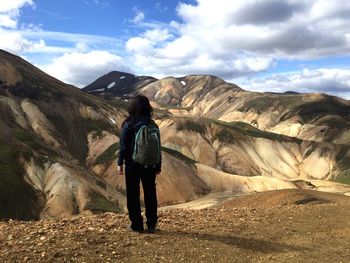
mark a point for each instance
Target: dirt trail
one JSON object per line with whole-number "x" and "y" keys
{"x": 207, "y": 201}
{"x": 315, "y": 231}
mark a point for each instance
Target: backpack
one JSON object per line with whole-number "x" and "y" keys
{"x": 147, "y": 145}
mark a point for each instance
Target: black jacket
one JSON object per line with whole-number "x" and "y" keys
{"x": 129, "y": 129}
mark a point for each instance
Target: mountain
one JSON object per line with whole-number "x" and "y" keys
{"x": 118, "y": 83}
{"x": 50, "y": 134}
{"x": 290, "y": 136}
{"x": 313, "y": 117}
{"x": 58, "y": 145}
{"x": 44, "y": 142}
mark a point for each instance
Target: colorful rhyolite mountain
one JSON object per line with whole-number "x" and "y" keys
{"x": 58, "y": 144}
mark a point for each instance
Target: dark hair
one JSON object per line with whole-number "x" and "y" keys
{"x": 139, "y": 107}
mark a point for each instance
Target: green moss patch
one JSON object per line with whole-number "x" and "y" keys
{"x": 228, "y": 132}
{"x": 250, "y": 130}
{"x": 343, "y": 165}
{"x": 99, "y": 204}
{"x": 18, "y": 199}
{"x": 32, "y": 142}
{"x": 263, "y": 102}
{"x": 179, "y": 155}
{"x": 108, "y": 155}
{"x": 98, "y": 125}
{"x": 188, "y": 124}
{"x": 27, "y": 139}
{"x": 343, "y": 177}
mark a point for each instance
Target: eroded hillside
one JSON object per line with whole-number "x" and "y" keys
{"x": 315, "y": 117}
{"x": 59, "y": 146}
{"x": 43, "y": 135}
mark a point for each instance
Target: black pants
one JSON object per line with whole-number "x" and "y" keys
{"x": 133, "y": 175}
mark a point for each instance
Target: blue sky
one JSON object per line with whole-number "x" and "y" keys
{"x": 261, "y": 45}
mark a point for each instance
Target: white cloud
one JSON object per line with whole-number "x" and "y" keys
{"x": 182, "y": 47}
{"x": 9, "y": 12}
{"x": 15, "y": 43}
{"x": 294, "y": 30}
{"x": 30, "y": 38}
{"x": 139, "y": 15}
{"x": 139, "y": 45}
{"x": 6, "y": 6}
{"x": 81, "y": 69}
{"x": 157, "y": 35}
{"x": 7, "y": 21}
{"x": 244, "y": 37}
{"x": 332, "y": 81}
{"x": 10, "y": 39}
{"x": 68, "y": 37}
{"x": 252, "y": 64}
{"x": 25, "y": 41}
{"x": 229, "y": 39}
{"x": 74, "y": 61}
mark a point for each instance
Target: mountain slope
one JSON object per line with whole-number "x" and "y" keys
{"x": 316, "y": 117}
{"x": 118, "y": 83}
{"x": 44, "y": 127}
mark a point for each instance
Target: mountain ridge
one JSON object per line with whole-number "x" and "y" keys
{"x": 309, "y": 116}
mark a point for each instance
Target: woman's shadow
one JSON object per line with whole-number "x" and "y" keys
{"x": 263, "y": 246}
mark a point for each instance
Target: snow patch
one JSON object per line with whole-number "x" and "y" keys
{"x": 122, "y": 77}
{"x": 183, "y": 82}
{"x": 157, "y": 94}
{"x": 111, "y": 85}
{"x": 112, "y": 120}
{"x": 103, "y": 89}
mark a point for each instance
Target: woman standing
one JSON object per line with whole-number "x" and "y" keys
{"x": 138, "y": 122}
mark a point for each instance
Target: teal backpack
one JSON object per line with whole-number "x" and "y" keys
{"x": 147, "y": 145}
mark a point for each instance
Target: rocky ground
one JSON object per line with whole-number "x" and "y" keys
{"x": 278, "y": 226}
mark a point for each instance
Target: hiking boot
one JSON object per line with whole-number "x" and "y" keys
{"x": 139, "y": 230}
{"x": 151, "y": 229}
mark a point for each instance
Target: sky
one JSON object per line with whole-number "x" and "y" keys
{"x": 260, "y": 45}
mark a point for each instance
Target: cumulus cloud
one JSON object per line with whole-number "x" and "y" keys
{"x": 230, "y": 39}
{"x": 157, "y": 34}
{"x": 10, "y": 39}
{"x": 81, "y": 69}
{"x": 9, "y": 12}
{"x": 265, "y": 12}
{"x": 74, "y": 62}
{"x": 15, "y": 43}
{"x": 139, "y": 45}
{"x": 331, "y": 81}
{"x": 221, "y": 29}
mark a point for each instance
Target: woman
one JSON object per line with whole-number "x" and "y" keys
{"x": 140, "y": 112}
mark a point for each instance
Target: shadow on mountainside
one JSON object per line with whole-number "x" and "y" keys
{"x": 252, "y": 244}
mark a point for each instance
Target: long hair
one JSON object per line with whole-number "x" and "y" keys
{"x": 139, "y": 107}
